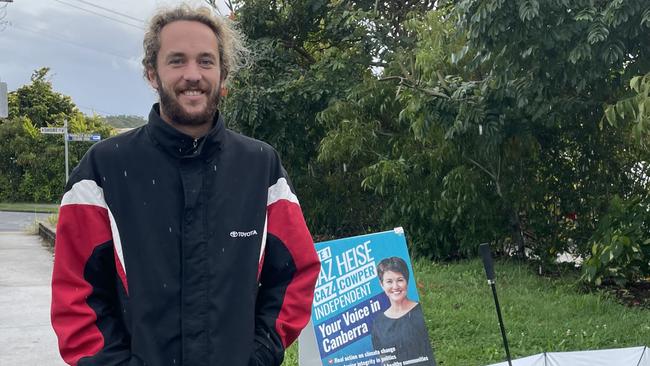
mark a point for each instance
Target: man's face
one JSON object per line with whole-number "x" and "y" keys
{"x": 188, "y": 75}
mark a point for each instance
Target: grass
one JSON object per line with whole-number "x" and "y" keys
{"x": 29, "y": 207}
{"x": 540, "y": 314}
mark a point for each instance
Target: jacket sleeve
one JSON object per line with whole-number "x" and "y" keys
{"x": 86, "y": 311}
{"x": 289, "y": 269}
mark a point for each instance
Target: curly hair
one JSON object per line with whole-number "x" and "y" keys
{"x": 393, "y": 264}
{"x": 232, "y": 50}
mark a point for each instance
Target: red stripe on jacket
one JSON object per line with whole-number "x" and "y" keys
{"x": 286, "y": 222}
{"x": 120, "y": 271}
{"x": 80, "y": 229}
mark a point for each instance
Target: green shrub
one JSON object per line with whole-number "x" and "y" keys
{"x": 621, "y": 243}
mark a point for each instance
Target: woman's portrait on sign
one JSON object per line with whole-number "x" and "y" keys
{"x": 400, "y": 330}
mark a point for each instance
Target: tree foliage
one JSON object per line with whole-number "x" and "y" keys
{"x": 555, "y": 65}
{"x": 514, "y": 122}
{"x": 38, "y": 102}
{"x": 31, "y": 164}
{"x": 306, "y": 55}
{"x": 620, "y": 244}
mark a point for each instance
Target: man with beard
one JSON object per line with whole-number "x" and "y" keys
{"x": 182, "y": 242}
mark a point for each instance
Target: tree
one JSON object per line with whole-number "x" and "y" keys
{"x": 306, "y": 55}
{"x": 555, "y": 65}
{"x": 465, "y": 121}
{"x": 32, "y": 164}
{"x": 511, "y": 96}
{"x": 39, "y": 102}
{"x": 634, "y": 108}
{"x": 405, "y": 155}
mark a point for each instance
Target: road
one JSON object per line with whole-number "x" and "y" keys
{"x": 19, "y": 221}
{"x": 26, "y": 337}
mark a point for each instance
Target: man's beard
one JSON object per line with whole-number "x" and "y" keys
{"x": 177, "y": 114}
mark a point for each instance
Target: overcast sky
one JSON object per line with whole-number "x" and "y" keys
{"x": 94, "y": 58}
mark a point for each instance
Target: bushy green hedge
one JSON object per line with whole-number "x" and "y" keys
{"x": 621, "y": 243}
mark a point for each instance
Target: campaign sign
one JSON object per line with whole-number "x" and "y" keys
{"x": 358, "y": 320}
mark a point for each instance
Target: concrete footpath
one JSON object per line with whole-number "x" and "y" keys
{"x": 26, "y": 337}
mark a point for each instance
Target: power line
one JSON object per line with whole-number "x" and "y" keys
{"x": 111, "y": 11}
{"x": 55, "y": 37}
{"x": 99, "y": 14}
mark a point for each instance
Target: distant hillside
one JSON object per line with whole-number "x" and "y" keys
{"x": 122, "y": 121}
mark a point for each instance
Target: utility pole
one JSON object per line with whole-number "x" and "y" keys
{"x": 65, "y": 138}
{"x": 4, "y": 104}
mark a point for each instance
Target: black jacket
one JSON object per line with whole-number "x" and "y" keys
{"x": 175, "y": 251}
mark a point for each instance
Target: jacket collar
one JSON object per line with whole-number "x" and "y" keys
{"x": 183, "y": 146}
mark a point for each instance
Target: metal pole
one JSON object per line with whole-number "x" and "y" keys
{"x": 484, "y": 249}
{"x": 503, "y": 328}
{"x": 4, "y": 106}
{"x": 65, "y": 139}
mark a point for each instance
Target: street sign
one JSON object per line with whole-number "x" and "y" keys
{"x": 53, "y": 130}
{"x": 84, "y": 137}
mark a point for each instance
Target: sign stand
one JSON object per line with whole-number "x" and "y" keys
{"x": 308, "y": 354}
{"x": 69, "y": 137}
{"x": 65, "y": 139}
{"x": 489, "y": 272}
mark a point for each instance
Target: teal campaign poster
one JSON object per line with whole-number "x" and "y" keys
{"x": 366, "y": 307}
